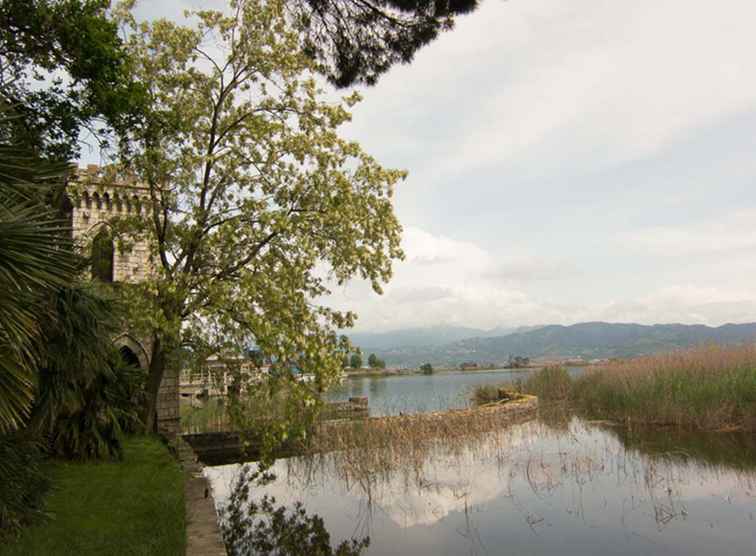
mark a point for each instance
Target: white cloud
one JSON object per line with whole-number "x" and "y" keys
{"x": 601, "y": 82}
{"x": 719, "y": 235}
{"x": 467, "y": 286}
{"x": 581, "y": 160}
{"x": 685, "y": 303}
{"x": 444, "y": 281}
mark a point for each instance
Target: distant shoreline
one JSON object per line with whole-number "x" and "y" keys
{"x": 446, "y": 370}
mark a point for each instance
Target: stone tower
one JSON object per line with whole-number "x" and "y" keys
{"x": 95, "y": 203}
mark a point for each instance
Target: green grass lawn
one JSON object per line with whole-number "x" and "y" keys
{"x": 135, "y": 506}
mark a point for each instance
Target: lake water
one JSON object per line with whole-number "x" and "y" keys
{"x": 563, "y": 487}
{"x": 392, "y": 395}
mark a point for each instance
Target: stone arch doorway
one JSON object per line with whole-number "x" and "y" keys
{"x": 138, "y": 353}
{"x": 132, "y": 351}
{"x": 129, "y": 357}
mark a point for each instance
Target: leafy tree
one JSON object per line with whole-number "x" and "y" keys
{"x": 374, "y": 362}
{"x": 62, "y": 67}
{"x": 356, "y": 41}
{"x": 355, "y": 361}
{"x": 427, "y": 368}
{"x": 252, "y": 193}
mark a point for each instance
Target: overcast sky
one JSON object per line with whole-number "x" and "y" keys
{"x": 569, "y": 161}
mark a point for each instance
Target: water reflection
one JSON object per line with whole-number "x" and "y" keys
{"x": 573, "y": 488}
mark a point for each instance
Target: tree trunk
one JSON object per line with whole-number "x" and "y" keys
{"x": 154, "y": 378}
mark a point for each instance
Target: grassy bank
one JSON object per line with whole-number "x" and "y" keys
{"x": 706, "y": 388}
{"x": 135, "y": 506}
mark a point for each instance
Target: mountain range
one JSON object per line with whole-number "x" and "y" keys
{"x": 428, "y": 337}
{"x": 443, "y": 345}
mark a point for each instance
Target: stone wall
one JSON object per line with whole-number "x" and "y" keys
{"x": 168, "y": 405}
{"x": 96, "y": 202}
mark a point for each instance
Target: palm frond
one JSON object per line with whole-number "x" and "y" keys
{"x": 36, "y": 258}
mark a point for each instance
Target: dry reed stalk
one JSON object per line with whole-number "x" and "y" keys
{"x": 381, "y": 444}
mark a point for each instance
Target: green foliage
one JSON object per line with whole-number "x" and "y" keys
{"x": 35, "y": 259}
{"x": 129, "y": 507}
{"x": 374, "y": 362}
{"x": 24, "y": 484}
{"x": 210, "y": 416}
{"x": 356, "y": 41}
{"x": 355, "y": 361}
{"x": 276, "y": 415}
{"x": 427, "y": 368}
{"x": 87, "y": 397}
{"x": 258, "y": 527}
{"x": 108, "y": 410}
{"x": 253, "y": 193}
{"x": 518, "y": 362}
{"x": 62, "y": 66}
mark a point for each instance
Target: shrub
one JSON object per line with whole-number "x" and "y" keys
{"x": 23, "y": 485}
{"x": 86, "y": 397}
{"x": 94, "y": 425}
{"x": 485, "y": 393}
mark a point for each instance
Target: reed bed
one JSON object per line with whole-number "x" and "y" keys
{"x": 704, "y": 388}
{"x": 381, "y": 444}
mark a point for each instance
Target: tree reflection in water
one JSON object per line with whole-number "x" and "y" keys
{"x": 262, "y": 528}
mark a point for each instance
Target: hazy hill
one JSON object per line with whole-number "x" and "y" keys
{"x": 417, "y": 337}
{"x": 427, "y": 337}
{"x": 589, "y": 340}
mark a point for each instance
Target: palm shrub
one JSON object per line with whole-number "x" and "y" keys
{"x": 23, "y": 482}
{"x": 104, "y": 411}
{"x": 87, "y": 397}
{"x": 36, "y": 258}
{"x": 61, "y": 384}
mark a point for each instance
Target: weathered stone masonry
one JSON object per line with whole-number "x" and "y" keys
{"x": 95, "y": 203}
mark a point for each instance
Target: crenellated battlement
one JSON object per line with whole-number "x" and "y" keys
{"x": 98, "y": 198}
